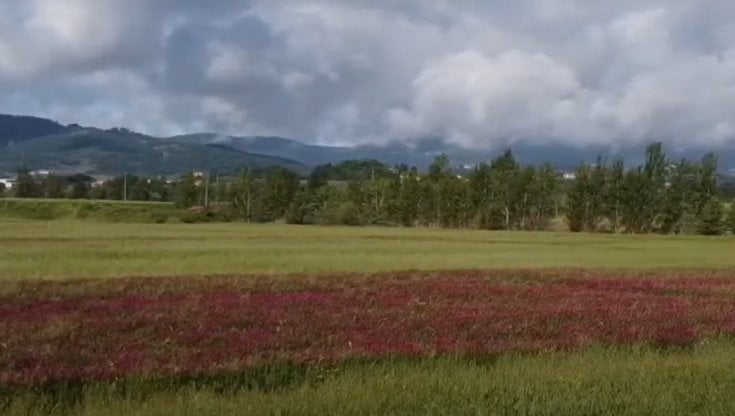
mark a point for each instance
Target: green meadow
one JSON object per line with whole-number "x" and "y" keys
{"x": 604, "y": 380}
{"x": 76, "y": 249}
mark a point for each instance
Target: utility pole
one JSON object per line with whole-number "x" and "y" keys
{"x": 206, "y": 191}
{"x": 125, "y": 186}
{"x": 216, "y": 189}
{"x": 375, "y": 189}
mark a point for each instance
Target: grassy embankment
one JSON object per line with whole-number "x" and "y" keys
{"x": 97, "y": 211}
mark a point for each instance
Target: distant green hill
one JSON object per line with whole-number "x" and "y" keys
{"x": 45, "y": 144}
{"x": 19, "y": 128}
{"x": 116, "y": 151}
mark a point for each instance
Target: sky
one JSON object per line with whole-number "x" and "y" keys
{"x": 478, "y": 73}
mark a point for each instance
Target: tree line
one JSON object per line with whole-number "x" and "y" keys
{"x": 659, "y": 196}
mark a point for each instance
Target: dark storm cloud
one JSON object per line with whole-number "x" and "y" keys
{"x": 480, "y": 73}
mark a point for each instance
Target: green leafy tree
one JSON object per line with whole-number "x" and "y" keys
{"x": 586, "y": 198}
{"x": 710, "y": 221}
{"x": 525, "y": 200}
{"x": 160, "y": 191}
{"x": 245, "y": 196}
{"x": 25, "y": 185}
{"x": 139, "y": 189}
{"x": 78, "y": 190}
{"x": 504, "y": 178}
{"x": 453, "y": 202}
{"x": 613, "y": 194}
{"x": 326, "y": 204}
{"x": 731, "y": 218}
{"x": 481, "y": 186}
{"x": 635, "y": 213}
{"x": 598, "y": 206}
{"x": 280, "y": 188}
{"x": 112, "y": 189}
{"x": 577, "y": 199}
{"x": 438, "y": 189}
{"x": 301, "y": 210}
{"x": 350, "y": 170}
{"x": 54, "y": 186}
{"x": 320, "y": 176}
{"x": 653, "y": 196}
{"x": 316, "y": 206}
{"x": 707, "y": 186}
{"x": 407, "y": 197}
{"x": 440, "y": 168}
{"x": 187, "y": 191}
{"x": 680, "y": 207}
{"x": 349, "y": 214}
{"x": 543, "y": 192}
{"x": 221, "y": 191}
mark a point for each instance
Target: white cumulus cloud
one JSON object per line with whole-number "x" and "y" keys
{"x": 480, "y": 73}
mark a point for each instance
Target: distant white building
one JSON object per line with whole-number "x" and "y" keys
{"x": 569, "y": 176}
{"x": 41, "y": 172}
{"x": 8, "y": 182}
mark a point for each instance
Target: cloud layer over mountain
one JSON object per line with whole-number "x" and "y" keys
{"x": 479, "y": 73}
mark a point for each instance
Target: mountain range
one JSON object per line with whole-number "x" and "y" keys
{"x": 40, "y": 143}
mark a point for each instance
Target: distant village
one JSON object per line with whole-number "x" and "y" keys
{"x": 94, "y": 181}
{"x": 8, "y": 182}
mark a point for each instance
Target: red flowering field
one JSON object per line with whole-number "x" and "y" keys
{"x": 103, "y": 330}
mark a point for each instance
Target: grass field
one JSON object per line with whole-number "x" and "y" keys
{"x": 487, "y": 323}
{"x": 62, "y": 250}
{"x": 605, "y": 382}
